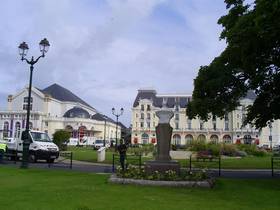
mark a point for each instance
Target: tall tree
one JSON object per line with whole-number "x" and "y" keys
{"x": 251, "y": 61}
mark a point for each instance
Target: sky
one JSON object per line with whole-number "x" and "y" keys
{"x": 105, "y": 50}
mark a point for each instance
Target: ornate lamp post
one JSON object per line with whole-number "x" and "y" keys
{"x": 104, "y": 139}
{"x": 117, "y": 114}
{"x": 23, "y": 49}
{"x": 270, "y": 133}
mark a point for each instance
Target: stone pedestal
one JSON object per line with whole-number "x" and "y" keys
{"x": 164, "y": 133}
{"x": 163, "y": 162}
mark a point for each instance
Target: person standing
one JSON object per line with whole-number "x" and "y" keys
{"x": 122, "y": 151}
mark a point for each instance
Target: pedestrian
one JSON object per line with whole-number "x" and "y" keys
{"x": 122, "y": 151}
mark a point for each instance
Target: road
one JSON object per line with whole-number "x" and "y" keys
{"x": 105, "y": 168}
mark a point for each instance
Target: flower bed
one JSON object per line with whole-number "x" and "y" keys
{"x": 134, "y": 175}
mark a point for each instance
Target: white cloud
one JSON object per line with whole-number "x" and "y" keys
{"x": 105, "y": 50}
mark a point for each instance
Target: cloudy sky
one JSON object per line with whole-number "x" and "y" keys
{"x": 105, "y": 50}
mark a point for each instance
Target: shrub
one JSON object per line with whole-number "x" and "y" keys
{"x": 214, "y": 148}
{"x": 251, "y": 149}
{"x": 241, "y": 153}
{"x": 197, "y": 145}
{"x": 60, "y": 138}
{"x": 229, "y": 149}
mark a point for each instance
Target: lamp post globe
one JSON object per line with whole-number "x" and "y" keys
{"x": 23, "y": 49}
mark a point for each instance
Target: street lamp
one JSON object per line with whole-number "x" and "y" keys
{"x": 23, "y": 49}
{"x": 270, "y": 133}
{"x": 117, "y": 114}
{"x": 104, "y": 139}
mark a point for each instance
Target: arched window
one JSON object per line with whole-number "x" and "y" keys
{"x": 82, "y": 133}
{"x": 6, "y": 129}
{"x": 177, "y": 139}
{"x": 17, "y": 133}
{"x": 201, "y": 137}
{"x": 145, "y": 138}
{"x": 214, "y": 139}
{"x": 188, "y": 138}
{"x": 227, "y": 139}
{"x": 69, "y": 129}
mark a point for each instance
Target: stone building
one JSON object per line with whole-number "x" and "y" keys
{"x": 228, "y": 129}
{"x": 55, "y": 108}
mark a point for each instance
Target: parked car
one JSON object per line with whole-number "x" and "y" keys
{"x": 100, "y": 143}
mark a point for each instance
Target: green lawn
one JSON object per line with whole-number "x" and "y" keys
{"x": 90, "y": 155}
{"x": 48, "y": 189}
{"x": 250, "y": 162}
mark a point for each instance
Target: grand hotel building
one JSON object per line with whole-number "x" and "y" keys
{"x": 54, "y": 108}
{"x": 228, "y": 129}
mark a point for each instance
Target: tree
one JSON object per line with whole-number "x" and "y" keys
{"x": 60, "y": 138}
{"x": 250, "y": 61}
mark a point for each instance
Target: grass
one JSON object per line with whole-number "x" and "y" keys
{"x": 42, "y": 189}
{"x": 90, "y": 155}
{"x": 249, "y": 162}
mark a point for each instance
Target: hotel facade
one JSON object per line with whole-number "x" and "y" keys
{"x": 227, "y": 129}
{"x": 56, "y": 108}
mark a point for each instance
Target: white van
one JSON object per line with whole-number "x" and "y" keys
{"x": 41, "y": 147}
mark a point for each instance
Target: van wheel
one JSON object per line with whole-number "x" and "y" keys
{"x": 50, "y": 160}
{"x": 32, "y": 159}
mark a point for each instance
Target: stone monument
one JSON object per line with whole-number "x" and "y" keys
{"x": 163, "y": 160}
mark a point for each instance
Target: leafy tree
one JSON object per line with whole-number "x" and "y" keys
{"x": 250, "y": 61}
{"x": 60, "y": 138}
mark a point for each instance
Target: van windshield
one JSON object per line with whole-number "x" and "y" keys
{"x": 98, "y": 141}
{"x": 43, "y": 137}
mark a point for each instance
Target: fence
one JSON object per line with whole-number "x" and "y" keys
{"x": 206, "y": 160}
{"x": 275, "y": 164}
{"x": 129, "y": 160}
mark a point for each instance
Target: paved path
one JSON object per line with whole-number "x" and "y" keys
{"x": 106, "y": 168}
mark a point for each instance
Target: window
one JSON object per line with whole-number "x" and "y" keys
{"x": 226, "y": 117}
{"x": 238, "y": 125}
{"x": 176, "y": 116}
{"x": 148, "y": 107}
{"x": 30, "y": 125}
{"x": 136, "y": 115}
{"x": 142, "y": 116}
{"x": 25, "y": 100}
{"x": 177, "y": 125}
{"x": 6, "y": 129}
{"x": 214, "y": 126}
{"x": 176, "y": 108}
{"x": 201, "y": 125}
{"x": 25, "y": 106}
{"x": 25, "y": 103}
{"x": 226, "y": 126}
{"x": 141, "y": 124}
{"x": 148, "y": 124}
{"x": 17, "y": 130}
{"x": 142, "y": 107}
{"x": 189, "y": 124}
